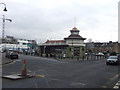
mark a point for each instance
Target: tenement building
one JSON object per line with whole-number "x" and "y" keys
{"x": 104, "y": 47}
{"x": 72, "y": 46}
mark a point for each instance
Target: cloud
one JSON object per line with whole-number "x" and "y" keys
{"x": 45, "y": 19}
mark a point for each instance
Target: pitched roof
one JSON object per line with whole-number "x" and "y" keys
{"x": 55, "y": 41}
{"x": 75, "y": 37}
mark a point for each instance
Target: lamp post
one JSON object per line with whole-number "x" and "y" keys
{"x": 5, "y": 7}
{"x": 44, "y": 50}
{"x": 4, "y": 19}
{"x": 82, "y": 53}
{"x": 72, "y": 50}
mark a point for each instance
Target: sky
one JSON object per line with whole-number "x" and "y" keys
{"x": 43, "y": 20}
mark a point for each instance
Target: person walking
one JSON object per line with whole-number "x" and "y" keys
{"x": 64, "y": 55}
{"x": 78, "y": 58}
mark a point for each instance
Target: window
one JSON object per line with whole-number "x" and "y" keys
{"x": 24, "y": 43}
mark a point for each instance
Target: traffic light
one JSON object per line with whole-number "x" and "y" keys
{"x": 107, "y": 51}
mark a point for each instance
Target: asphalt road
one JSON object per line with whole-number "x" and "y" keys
{"x": 51, "y": 73}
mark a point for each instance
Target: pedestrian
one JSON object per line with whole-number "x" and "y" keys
{"x": 64, "y": 55}
{"x": 83, "y": 57}
{"x": 78, "y": 58}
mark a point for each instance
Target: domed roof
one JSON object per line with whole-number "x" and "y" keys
{"x": 74, "y": 28}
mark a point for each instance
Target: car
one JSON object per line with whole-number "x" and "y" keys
{"x": 11, "y": 54}
{"x": 100, "y": 54}
{"x": 112, "y": 60}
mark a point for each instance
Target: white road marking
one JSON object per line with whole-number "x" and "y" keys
{"x": 117, "y": 85}
{"x": 77, "y": 84}
{"x": 19, "y": 60}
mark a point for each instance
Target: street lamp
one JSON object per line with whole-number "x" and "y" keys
{"x": 72, "y": 50}
{"x": 44, "y": 50}
{"x": 5, "y": 7}
{"x": 4, "y": 19}
{"x": 82, "y": 53}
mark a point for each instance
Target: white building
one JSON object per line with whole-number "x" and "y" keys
{"x": 24, "y": 41}
{"x": 17, "y": 44}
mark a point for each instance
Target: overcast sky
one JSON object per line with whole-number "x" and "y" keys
{"x": 53, "y": 19}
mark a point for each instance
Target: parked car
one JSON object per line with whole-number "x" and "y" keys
{"x": 11, "y": 54}
{"x": 100, "y": 54}
{"x": 112, "y": 60}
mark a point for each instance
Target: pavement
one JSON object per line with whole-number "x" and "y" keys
{"x": 6, "y": 60}
{"x": 74, "y": 60}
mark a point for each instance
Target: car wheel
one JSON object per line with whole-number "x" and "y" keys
{"x": 17, "y": 57}
{"x": 11, "y": 57}
{"x": 107, "y": 63}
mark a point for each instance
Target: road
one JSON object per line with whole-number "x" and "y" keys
{"x": 51, "y": 73}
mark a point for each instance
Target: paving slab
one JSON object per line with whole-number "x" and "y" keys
{"x": 16, "y": 76}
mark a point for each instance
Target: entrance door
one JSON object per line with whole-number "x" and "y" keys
{"x": 76, "y": 51}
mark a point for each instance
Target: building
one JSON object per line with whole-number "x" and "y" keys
{"x": 17, "y": 44}
{"x": 31, "y": 44}
{"x": 9, "y": 40}
{"x": 105, "y": 47}
{"x": 72, "y": 46}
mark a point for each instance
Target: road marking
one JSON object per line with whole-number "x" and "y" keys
{"x": 60, "y": 61}
{"x": 55, "y": 79}
{"x": 19, "y": 60}
{"x": 37, "y": 75}
{"x": 12, "y": 62}
{"x": 77, "y": 84}
{"x": 117, "y": 85}
{"x": 110, "y": 80}
{"x": 104, "y": 86}
{"x": 40, "y": 76}
{"x": 116, "y": 76}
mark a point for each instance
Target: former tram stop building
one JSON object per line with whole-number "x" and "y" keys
{"x": 72, "y": 46}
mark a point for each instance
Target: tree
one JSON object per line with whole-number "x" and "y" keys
{"x": 89, "y": 40}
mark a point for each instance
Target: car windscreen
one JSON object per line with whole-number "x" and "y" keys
{"x": 112, "y": 57}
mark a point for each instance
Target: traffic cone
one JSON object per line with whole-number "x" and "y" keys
{"x": 24, "y": 72}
